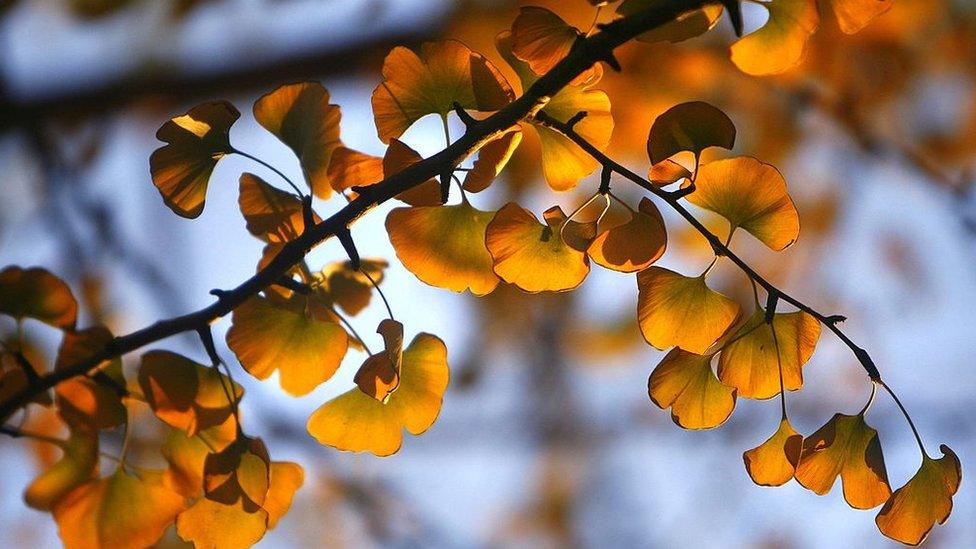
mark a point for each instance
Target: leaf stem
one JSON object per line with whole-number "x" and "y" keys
{"x": 376, "y": 286}
{"x": 908, "y": 418}
{"x": 272, "y": 168}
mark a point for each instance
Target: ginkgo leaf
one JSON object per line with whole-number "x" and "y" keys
{"x": 349, "y": 288}
{"x": 773, "y": 462}
{"x": 195, "y": 142}
{"x": 492, "y": 158}
{"x": 214, "y": 525}
{"x": 680, "y": 311}
{"x": 94, "y": 401}
{"x": 286, "y": 479}
{"x": 636, "y": 244}
{"x": 76, "y": 466}
{"x": 749, "y": 361}
{"x": 779, "y": 44}
{"x": 751, "y": 195}
{"x": 693, "y": 127}
{"x": 356, "y": 422}
{"x": 687, "y": 25}
{"x": 445, "y": 72}
{"x": 667, "y": 172}
{"x": 398, "y": 157}
{"x": 38, "y": 294}
{"x": 184, "y": 394}
{"x": 351, "y": 168}
{"x": 271, "y": 214}
{"x": 849, "y": 447}
{"x": 541, "y": 38}
{"x": 240, "y": 472}
{"x": 117, "y": 512}
{"x": 533, "y": 256}
{"x": 854, "y": 15}
{"x": 379, "y": 375}
{"x": 926, "y": 499}
{"x": 444, "y": 246}
{"x": 185, "y": 456}
{"x": 266, "y": 337}
{"x": 685, "y": 382}
{"x": 302, "y": 118}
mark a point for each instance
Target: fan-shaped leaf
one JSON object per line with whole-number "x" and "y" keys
{"x": 348, "y": 288}
{"x": 541, "y": 38}
{"x": 693, "y": 127}
{"x": 76, "y": 466}
{"x": 913, "y": 509}
{"x": 633, "y": 246}
{"x": 773, "y": 462}
{"x": 398, "y": 157}
{"x": 351, "y": 168}
{"x": 687, "y": 25}
{"x": 492, "y": 158}
{"x": 779, "y": 44}
{"x": 271, "y": 214}
{"x": 38, "y": 294}
{"x": 854, "y": 15}
{"x": 685, "y": 382}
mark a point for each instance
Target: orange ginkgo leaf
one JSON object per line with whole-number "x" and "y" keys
{"x": 349, "y": 288}
{"x": 444, "y": 246}
{"x": 749, "y": 362}
{"x": 398, "y": 157}
{"x": 302, "y": 118}
{"x": 379, "y": 375}
{"x": 75, "y": 467}
{"x": 356, "y": 422}
{"x": 687, "y": 25}
{"x": 780, "y": 43}
{"x": 186, "y": 395}
{"x": 94, "y": 400}
{"x": 492, "y": 158}
{"x": 667, "y": 172}
{"x": 563, "y": 162}
{"x": 751, "y": 195}
{"x": 685, "y": 382}
{"x": 680, "y": 311}
{"x": 239, "y": 472}
{"x": 195, "y": 142}
{"x": 351, "y": 168}
{"x": 541, "y": 38}
{"x": 926, "y": 499}
{"x": 269, "y": 336}
{"x": 636, "y": 244}
{"x": 117, "y": 512}
{"x": 693, "y": 127}
{"x": 854, "y": 15}
{"x": 186, "y": 455}
{"x": 273, "y": 215}
{"x": 849, "y": 447}
{"x": 533, "y": 256}
{"x": 38, "y": 294}
{"x": 773, "y": 462}
{"x": 445, "y": 72}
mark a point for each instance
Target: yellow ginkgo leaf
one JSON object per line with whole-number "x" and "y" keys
{"x": 398, "y": 157}
{"x": 356, "y": 422}
{"x": 94, "y": 401}
{"x": 685, "y": 382}
{"x": 186, "y": 395}
{"x": 75, "y": 467}
{"x": 268, "y": 336}
{"x": 773, "y": 462}
{"x": 379, "y": 375}
{"x": 430, "y": 83}
{"x": 751, "y": 195}
{"x": 749, "y": 361}
{"x": 117, "y": 512}
{"x": 692, "y": 127}
{"x": 687, "y": 25}
{"x": 779, "y": 44}
{"x": 195, "y": 142}
{"x": 185, "y": 456}
{"x": 913, "y": 509}
{"x": 680, "y": 311}
{"x": 240, "y": 472}
{"x": 38, "y": 294}
{"x": 349, "y": 288}
{"x": 302, "y": 118}
{"x": 214, "y": 525}
{"x": 351, "y": 168}
{"x": 854, "y": 15}
{"x": 271, "y": 214}
{"x": 286, "y": 479}
{"x": 533, "y": 256}
{"x": 633, "y": 246}
{"x": 444, "y": 246}
{"x": 492, "y": 158}
{"x": 541, "y": 38}
{"x": 849, "y": 447}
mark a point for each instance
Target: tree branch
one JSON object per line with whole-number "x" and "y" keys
{"x": 581, "y": 58}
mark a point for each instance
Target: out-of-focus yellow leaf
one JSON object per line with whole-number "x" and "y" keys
{"x": 117, "y": 512}
{"x": 854, "y": 15}
{"x": 687, "y": 25}
{"x": 693, "y": 127}
{"x": 379, "y": 375}
{"x": 685, "y": 382}
{"x": 849, "y": 447}
{"x": 541, "y": 38}
{"x": 356, "y": 422}
{"x": 351, "y": 168}
{"x": 751, "y": 195}
{"x": 398, "y": 157}
{"x": 680, "y": 311}
{"x": 89, "y": 401}
{"x": 76, "y": 466}
{"x": 633, "y": 246}
{"x": 348, "y": 288}
{"x": 302, "y": 118}
{"x": 195, "y": 142}
{"x": 779, "y": 44}
{"x": 749, "y": 362}
{"x": 430, "y": 83}
{"x": 492, "y": 158}
{"x": 444, "y": 246}
{"x": 185, "y": 456}
{"x": 271, "y": 214}
{"x": 913, "y": 509}
{"x": 38, "y": 294}
{"x": 533, "y": 256}
{"x": 773, "y": 462}
{"x": 184, "y": 394}
{"x": 267, "y": 336}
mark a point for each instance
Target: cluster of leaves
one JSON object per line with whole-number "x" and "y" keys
{"x": 221, "y": 487}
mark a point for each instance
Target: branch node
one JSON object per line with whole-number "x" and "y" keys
{"x": 218, "y": 293}
{"x": 834, "y": 319}
{"x": 206, "y": 337}
{"x": 682, "y": 192}
{"x": 466, "y": 118}
{"x": 293, "y": 285}
{"x": 605, "y": 180}
{"x": 345, "y": 238}
{"x": 865, "y": 359}
{"x": 576, "y": 119}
